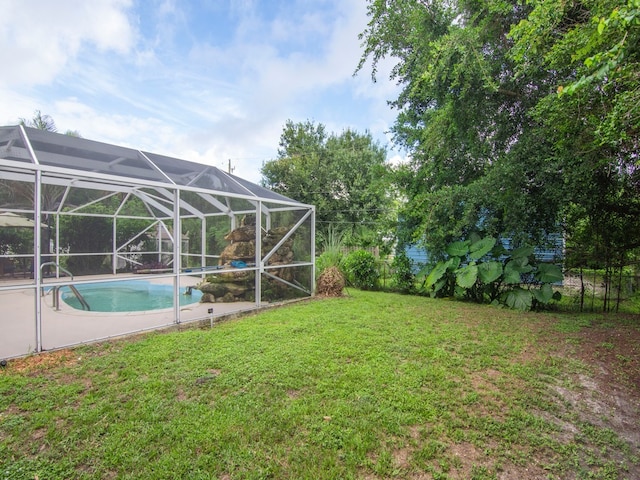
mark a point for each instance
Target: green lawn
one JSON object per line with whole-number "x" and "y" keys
{"x": 373, "y": 385}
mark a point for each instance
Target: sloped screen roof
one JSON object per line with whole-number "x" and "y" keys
{"x": 12, "y": 146}
{"x": 88, "y": 156}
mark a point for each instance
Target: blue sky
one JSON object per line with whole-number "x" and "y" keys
{"x": 207, "y": 80}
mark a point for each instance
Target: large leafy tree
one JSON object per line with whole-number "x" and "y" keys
{"x": 343, "y": 175}
{"x": 476, "y": 162}
{"x": 493, "y": 144}
{"x": 593, "y": 120}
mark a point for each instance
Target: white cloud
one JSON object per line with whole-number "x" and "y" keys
{"x": 39, "y": 37}
{"x": 280, "y": 81}
{"x": 15, "y": 105}
{"x": 397, "y": 159}
{"x": 163, "y": 80}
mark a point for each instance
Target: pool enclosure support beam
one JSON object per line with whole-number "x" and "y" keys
{"x": 37, "y": 237}
{"x": 57, "y": 243}
{"x": 114, "y": 257}
{"x": 114, "y": 245}
{"x": 267, "y": 219}
{"x": 57, "y": 220}
{"x": 177, "y": 254}
{"x": 203, "y": 242}
{"x": 258, "y": 254}
{"x": 37, "y": 261}
{"x": 159, "y": 238}
{"x": 313, "y": 250}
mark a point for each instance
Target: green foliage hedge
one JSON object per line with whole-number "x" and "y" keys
{"x": 361, "y": 270}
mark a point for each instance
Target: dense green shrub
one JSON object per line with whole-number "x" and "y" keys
{"x": 361, "y": 270}
{"x": 403, "y": 272}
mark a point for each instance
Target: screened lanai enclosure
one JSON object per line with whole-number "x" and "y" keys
{"x": 98, "y": 240}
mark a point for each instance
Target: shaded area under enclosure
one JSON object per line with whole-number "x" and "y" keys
{"x": 76, "y": 213}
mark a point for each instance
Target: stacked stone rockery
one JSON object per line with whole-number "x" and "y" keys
{"x": 283, "y": 256}
{"x": 239, "y": 285}
{"x": 227, "y": 287}
{"x": 242, "y": 247}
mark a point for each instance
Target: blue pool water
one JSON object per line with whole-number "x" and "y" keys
{"x": 127, "y": 296}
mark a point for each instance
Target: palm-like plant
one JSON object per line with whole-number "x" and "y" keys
{"x": 40, "y": 121}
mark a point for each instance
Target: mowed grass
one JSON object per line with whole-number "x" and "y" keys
{"x": 372, "y": 385}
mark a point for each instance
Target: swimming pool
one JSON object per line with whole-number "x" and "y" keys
{"x": 127, "y": 296}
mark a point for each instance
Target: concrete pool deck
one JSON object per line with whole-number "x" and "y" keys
{"x": 68, "y": 326}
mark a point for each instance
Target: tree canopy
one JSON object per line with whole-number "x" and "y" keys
{"x": 592, "y": 121}
{"x": 344, "y": 175}
{"x": 521, "y": 119}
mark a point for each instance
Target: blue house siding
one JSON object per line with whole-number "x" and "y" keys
{"x": 418, "y": 257}
{"x": 553, "y": 254}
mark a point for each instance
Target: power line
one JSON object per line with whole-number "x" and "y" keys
{"x": 332, "y": 192}
{"x": 344, "y": 222}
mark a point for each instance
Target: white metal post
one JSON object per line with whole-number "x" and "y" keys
{"x": 114, "y": 248}
{"x": 159, "y": 242}
{"x": 37, "y": 250}
{"x": 177, "y": 253}
{"x": 259, "y": 263}
{"x": 57, "y": 245}
{"x": 313, "y": 251}
{"x": 203, "y": 244}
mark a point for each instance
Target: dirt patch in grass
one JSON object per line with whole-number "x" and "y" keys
{"x": 614, "y": 351}
{"x": 607, "y": 394}
{"x": 293, "y": 394}
{"x": 42, "y": 362}
{"x": 469, "y": 459}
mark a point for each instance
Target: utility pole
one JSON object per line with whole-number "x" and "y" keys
{"x": 230, "y": 170}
